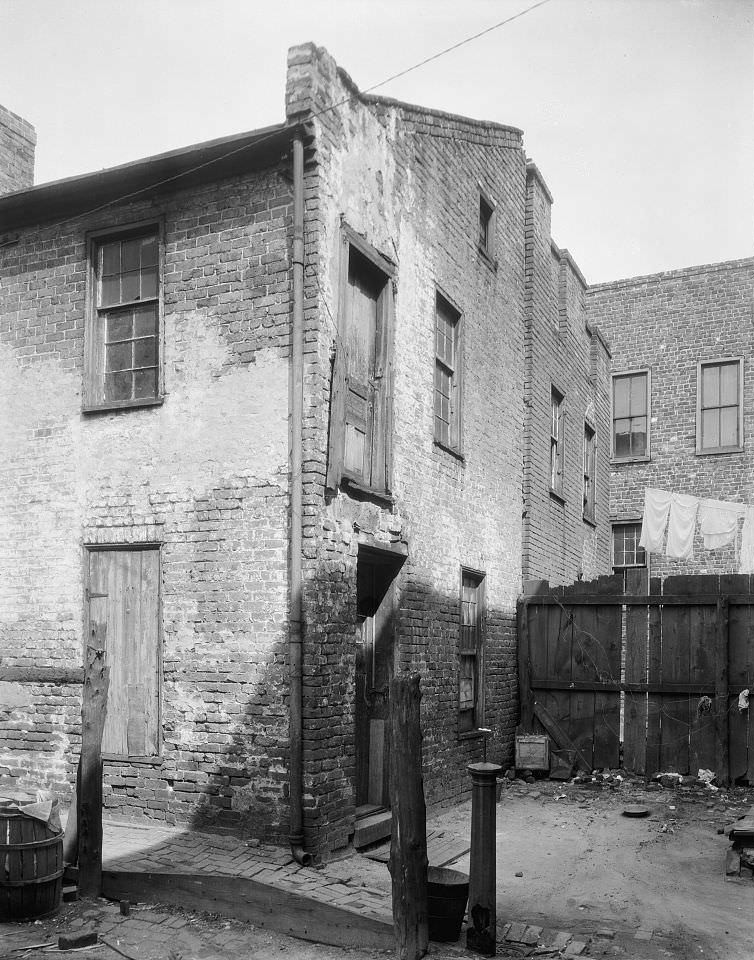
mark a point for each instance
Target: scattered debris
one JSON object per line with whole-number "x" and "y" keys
{"x": 635, "y": 810}
{"x": 85, "y": 937}
{"x": 743, "y": 700}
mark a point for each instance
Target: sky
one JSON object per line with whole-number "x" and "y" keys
{"x": 638, "y": 113}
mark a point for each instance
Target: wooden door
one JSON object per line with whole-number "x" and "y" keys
{"x": 374, "y": 663}
{"x": 124, "y": 594}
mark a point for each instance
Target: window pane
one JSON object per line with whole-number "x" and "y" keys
{"x": 638, "y": 436}
{"x": 111, "y": 259}
{"x": 119, "y": 327}
{"x": 149, "y": 251}
{"x": 129, "y": 287}
{"x": 711, "y": 386}
{"x": 145, "y": 352}
{"x": 118, "y": 356}
{"x": 145, "y": 321}
{"x": 638, "y": 395}
{"x": 149, "y": 283}
{"x": 622, "y": 438}
{"x": 621, "y": 390}
{"x": 109, "y": 291}
{"x": 117, "y": 386}
{"x": 729, "y": 384}
{"x": 710, "y": 429}
{"x": 145, "y": 384}
{"x": 130, "y": 255}
{"x": 729, "y": 427}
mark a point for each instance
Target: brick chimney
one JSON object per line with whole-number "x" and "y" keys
{"x": 17, "y": 142}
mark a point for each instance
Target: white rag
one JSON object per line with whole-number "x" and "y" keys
{"x": 681, "y": 526}
{"x": 746, "y": 564}
{"x": 718, "y": 522}
{"x": 655, "y": 519}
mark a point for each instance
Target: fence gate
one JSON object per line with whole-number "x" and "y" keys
{"x": 657, "y": 674}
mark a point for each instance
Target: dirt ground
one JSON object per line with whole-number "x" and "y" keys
{"x": 567, "y": 859}
{"x": 588, "y": 869}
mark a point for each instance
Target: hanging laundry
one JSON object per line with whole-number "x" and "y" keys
{"x": 746, "y": 564}
{"x": 718, "y": 522}
{"x": 655, "y": 519}
{"x": 681, "y": 526}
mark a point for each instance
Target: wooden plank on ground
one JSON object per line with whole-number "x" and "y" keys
{"x": 293, "y": 914}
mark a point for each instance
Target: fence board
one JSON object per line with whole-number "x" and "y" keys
{"x": 740, "y": 675}
{"x": 635, "y": 704}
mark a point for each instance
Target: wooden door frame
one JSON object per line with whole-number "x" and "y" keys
{"x": 121, "y": 547}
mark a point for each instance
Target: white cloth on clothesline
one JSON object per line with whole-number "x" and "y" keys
{"x": 718, "y": 522}
{"x": 655, "y": 519}
{"x": 681, "y": 526}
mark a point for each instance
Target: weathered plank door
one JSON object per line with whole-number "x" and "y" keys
{"x": 123, "y": 593}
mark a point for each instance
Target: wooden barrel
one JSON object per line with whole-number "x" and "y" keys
{"x": 31, "y": 866}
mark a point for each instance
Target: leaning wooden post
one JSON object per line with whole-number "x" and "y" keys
{"x": 93, "y": 711}
{"x": 408, "y": 847}
{"x": 481, "y": 933}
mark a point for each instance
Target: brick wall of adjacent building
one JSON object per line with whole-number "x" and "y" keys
{"x": 17, "y": 143}
{"x": 563, "y": 352}
{"x": 407, "y": 180}
{"x": 205, "y": 474}
{"x": 668, "y": 323}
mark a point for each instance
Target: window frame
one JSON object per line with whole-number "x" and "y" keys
{"x": 638, "y": 371}
{"x": 486, "y": 228}
{"x": 95, "y": 240}
{"x": 589, "y": 497}
{"x": 702, "y": 451}
{"x": 471, "y": 721}
{"x": 381, "y": 435}
{"x": 557, "y": 442}
{"x": 454, "y": 444}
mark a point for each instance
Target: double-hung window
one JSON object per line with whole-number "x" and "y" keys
{"x": 448, "y": 358}
{"x": 556, "y": 441}
{"x": 123, "y": 354}
{"x": 589, "y": 473}
{"x": 627, "y": 552}
{"x": 631, "y": 415}
{"x": 718, "y": 422}
{"x": 360, "y": 410}
{"x": 470, "y": 682}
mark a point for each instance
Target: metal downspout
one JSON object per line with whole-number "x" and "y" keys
{"x": 296, "y": 773}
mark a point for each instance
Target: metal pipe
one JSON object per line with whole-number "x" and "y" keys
{"x": 295, "y": 619}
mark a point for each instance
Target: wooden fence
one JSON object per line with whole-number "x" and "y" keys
{"x": 658, "y": 674}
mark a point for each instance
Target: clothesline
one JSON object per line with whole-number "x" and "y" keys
{"x": 680, "y": 513}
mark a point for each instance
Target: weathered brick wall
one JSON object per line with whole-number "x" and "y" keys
{"x": 564, "y": 353}
{"x": 667, "y": 323}
{"x": 408, "y": 180}
{"x": 205, "y": 474}
{"x": 17, "y": 143}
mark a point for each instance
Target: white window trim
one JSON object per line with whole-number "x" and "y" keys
{"x": 711, "y": 362}
{"x": 613, "y": 377}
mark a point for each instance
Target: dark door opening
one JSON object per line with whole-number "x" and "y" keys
{"x": 375, "y": 577}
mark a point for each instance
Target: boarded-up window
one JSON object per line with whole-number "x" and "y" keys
{"x": 589, "y": 472}
{"x": 124, "y": 594}
{"x": 448, "y": 358}
{"x": 123, "y": 356}
{"x": 470, "y": 683}
{"x": 359, "y": 449}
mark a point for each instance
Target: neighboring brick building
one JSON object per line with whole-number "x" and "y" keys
{"x": 683, "y": 397}
{"x": 158, "y": 323}
{"x": 567, "y": 411}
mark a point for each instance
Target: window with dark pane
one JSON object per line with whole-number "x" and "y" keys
{"x": 630, "y": 415}
{"x": 447, "y": 374}
{"x": 626, "y": 549}
{"x": 589, "y": 471}
{"x": 556, "y": 441}
{"x": 719, "y": 405}
{"x": 486, "y": 211}
{"x": 126, "y": 322}
{"x": 470, "y": 652}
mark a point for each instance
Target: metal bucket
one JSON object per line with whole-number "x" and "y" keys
{"x": 447, "y": 894}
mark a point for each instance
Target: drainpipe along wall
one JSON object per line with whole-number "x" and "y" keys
{"x": 296, "y": 773}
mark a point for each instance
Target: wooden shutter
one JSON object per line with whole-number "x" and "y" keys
{"x": 124, "y": 591}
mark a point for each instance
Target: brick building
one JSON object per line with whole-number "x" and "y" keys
{"x": 262, "y": 416}
{"x": 682, "y": 398}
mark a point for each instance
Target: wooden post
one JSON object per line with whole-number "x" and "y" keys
{"x": 526, "y": 697}
{"x": 481, "y": 933}
{"x": 93, "y": 711}
{"x": 408, "y": 846}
